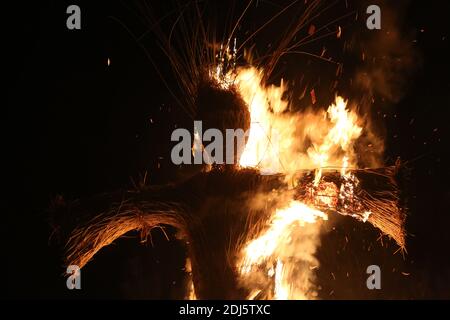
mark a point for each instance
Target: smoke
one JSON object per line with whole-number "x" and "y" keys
{"x": 300, "y": 254}
{"x": 389, "y": 58}
{"x": 383, "y": 63}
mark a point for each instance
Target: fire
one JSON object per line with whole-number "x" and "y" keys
{"x": 284, "y": 142}
{"x": 268, "y": 251}
{"x": 271, "y": 133}
{"x": 281, "y": 289}
{"x": 277, "y": 138}
{"x": 342, "y": 134}
{"x": 281, "y": 223}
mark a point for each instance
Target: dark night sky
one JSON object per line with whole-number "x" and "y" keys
{"x": 76, "y": 126}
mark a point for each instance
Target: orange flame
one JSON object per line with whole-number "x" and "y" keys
{"x": 277, "y": 144}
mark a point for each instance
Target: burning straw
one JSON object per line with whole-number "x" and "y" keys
{"x": 215, "y": 214}
{"x": 374, "y": 197}
{"x": 85, "y": 241}
{"x": 234, "y": 219}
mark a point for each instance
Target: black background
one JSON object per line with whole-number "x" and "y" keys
{"x": 76, "y": 126}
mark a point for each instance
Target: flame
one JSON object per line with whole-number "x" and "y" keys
{"x": 281, "y": 289}
{"x": 281, "y": 223}
{"x": 191, "y": 289}
{"x": 277, "y": 137}
{"x": 268, "y": 251}
{"x": 271, "y": 133}
{"x": 281, "y": 141}
{"x": 342, "y": 134}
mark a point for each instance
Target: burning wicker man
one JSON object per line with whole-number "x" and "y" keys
{"x": 250, "y": 224}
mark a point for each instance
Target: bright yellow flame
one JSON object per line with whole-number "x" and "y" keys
{"x": 281, "y": 289}
{"x": 274, "y": 241}
{"x": 277, "y": 137}
{"x": 282, "y": 221}
{"x": 269, "y": 135}
{"x": 343, "y": 133}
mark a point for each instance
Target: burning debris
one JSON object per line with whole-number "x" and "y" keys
{"x": 231, "y": 231}
{"x": 244, "y": 225}
{"x": 252, "y": 228}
